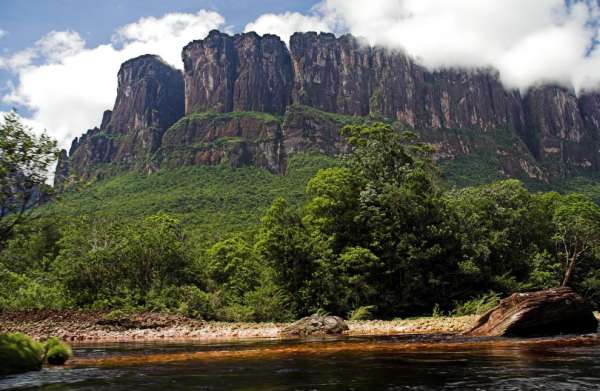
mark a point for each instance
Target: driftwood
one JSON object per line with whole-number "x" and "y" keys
{"x": 542, "y": 313}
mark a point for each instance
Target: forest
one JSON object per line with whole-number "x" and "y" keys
{"x": 375, "y": 233}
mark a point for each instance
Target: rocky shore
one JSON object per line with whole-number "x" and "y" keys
{"x": 101, "y": 326}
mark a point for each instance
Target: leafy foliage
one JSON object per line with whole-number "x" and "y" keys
{"x": 99, "y": 260}
{"x": 24, "y": 163}
{"x": 376, "y": 233}
{"x": 477, "y": 306}
{"x": 362, "y": 313}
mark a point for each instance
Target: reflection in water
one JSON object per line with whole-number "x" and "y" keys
{"x": 370, "y": 363}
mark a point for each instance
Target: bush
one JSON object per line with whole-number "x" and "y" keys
{"x": 362, "y": 313}
{"x": 187, "y": 300}
{"x": 18, "y": 292}
{"x": 269, "y": 303}
{"x": 57, "y": 352}
{"x": 477, "y": 306}
{"x": 19, "y": 353}
{"x": 236, "y": 313}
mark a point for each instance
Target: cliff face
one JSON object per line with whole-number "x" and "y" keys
{"x": 240, "y": 73}
{"x": 249, "y": 99}
{"x": 234, "y": 139}
{"x": 341, "y": 75}
{"x": 331, "y": 74}
{"x": 150, "y": 98}
{"x": 563, "y": 129}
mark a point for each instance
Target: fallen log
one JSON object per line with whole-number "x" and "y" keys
{"x": 543, "y": 313}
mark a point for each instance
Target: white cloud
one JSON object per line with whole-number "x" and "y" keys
{"x": 51, "y": 48}
{"x": 528, "y": 41}
{"x": 284, "y": 25}
{"x": 57, "y": 45}
{"x": 3, "y": 33}
{"x": 67, "y": 86}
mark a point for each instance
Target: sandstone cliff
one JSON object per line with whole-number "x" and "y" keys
{"x": 150, "y": 98}
{"x": 241, "y": 73}
{"x": 248, "y": 99}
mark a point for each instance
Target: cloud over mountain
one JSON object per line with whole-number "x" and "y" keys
{"x": 528, "y": 41}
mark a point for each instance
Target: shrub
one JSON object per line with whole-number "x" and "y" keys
{"x": 270, "y": 303}
{"x": 236, "y": 313}
{"x": 362, "y": 313}
{"x": 19, "y": 353}
{"x": 18, "y": 291}
{"x": 57, "y": 352}
{"x": 187, "y": 300}
{"x": 478, "y": 305}
{"x": 437, "y": 312}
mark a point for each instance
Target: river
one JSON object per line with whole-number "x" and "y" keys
{"x": 407, "y": 362}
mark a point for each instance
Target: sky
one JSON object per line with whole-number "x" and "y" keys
{"x": 59, "y": 58}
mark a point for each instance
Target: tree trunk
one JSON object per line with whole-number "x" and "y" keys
{"x": 569, "y": 271}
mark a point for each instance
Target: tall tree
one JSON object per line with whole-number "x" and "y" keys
{"x": 24, "y": 162}
{"x": 577, "y": 221}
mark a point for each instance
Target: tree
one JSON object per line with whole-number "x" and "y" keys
{"x": 233, "y": 265}
{"x": 333, "y": 206}
{"x": 577, "y": 224}
{"x": 285, "y": 246}
{"x": 380, "y": 230}
{"x": 104, "y": 263}
{"x": 24, "y": 163}
{"x": 496, "y": 248}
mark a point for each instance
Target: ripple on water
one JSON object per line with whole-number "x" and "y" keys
{"x": 327, "y": 365}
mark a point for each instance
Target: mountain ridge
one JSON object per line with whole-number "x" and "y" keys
{"x": 314, "y": 87}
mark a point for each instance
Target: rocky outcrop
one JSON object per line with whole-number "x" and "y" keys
{"x": 315, "y": 325}
{"x": 244, "y": 72}
{"x": 150, "y": 98}
{"x": 306, "y": 129}
{"x": 543, "y": 313}
{"x": 61, "y": 173}
{"x": 237, "y": 139}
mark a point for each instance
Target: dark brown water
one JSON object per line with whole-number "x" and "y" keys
{"x": 369, "y": 363}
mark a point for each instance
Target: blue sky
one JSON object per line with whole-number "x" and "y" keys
{"x": 27, "y": 20}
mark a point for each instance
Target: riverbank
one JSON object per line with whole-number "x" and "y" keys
{"x": 101, "y": 326}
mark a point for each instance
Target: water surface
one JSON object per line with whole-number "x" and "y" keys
{"x": 357, "y": 363}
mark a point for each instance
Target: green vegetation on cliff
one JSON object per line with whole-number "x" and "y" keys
{"x": 209, "y": 200}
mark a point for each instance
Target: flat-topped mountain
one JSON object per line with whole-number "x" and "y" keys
{"x": 250, "y": 100}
